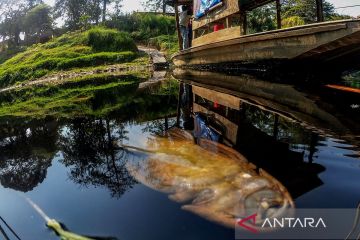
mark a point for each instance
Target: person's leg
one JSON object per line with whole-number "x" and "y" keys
{"x": 185, "y": 37}
{"x": 186, "y": 42}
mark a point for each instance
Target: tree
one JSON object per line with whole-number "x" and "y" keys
{"x": 155, "y": 5}
{"x": 11, "y": 15}
{"x": 34, "y": 3}
{"x": 94, "y": 11}
{"x": 75, "y": 9}
{"x": 38, "y": 24}
{"x": 306, "y": 9}
{"x": 72, "y": 10}
{"x": 262, "y": 19}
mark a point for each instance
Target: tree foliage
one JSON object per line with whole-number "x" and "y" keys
{"x": 306, "y": 9}
{"x": 38, "y": 24}
{"x": 155, "y": 5}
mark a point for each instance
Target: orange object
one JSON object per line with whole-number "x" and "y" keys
{"x": 344, "y": 88}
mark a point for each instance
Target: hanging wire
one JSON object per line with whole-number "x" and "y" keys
{"x": 3, "y": 233}
{"x": 348, "y": 6}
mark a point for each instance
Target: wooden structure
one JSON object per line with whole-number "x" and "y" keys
{"x": 321, "y": 42}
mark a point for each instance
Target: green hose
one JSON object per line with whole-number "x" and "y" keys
{"x": 64, "y": 235}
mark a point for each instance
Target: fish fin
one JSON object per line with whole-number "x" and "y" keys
{"x": 181, "y": 197}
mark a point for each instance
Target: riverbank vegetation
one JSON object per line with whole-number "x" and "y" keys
{"x": 98, "y": 46}
{"x": 88, "y": 66}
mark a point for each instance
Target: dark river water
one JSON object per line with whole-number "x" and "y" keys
{"x": 78, "y": 172}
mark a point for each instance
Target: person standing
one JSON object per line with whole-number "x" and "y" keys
{"x": 184, "y": 20}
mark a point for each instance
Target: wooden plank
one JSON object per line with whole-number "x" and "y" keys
{"x": 229, "y": 7}
{"x": 282, "y": 33}
{"x": 247, "y": 5}
{"x": 221, "y": 98}
{"x": 221, "y": 35}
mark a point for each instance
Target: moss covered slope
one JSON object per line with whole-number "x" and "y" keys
{"x": 95, "y": 47}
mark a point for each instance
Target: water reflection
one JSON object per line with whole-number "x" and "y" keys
{"x": 277, "y": 127}
{"x": 27, "y": 151}
{"x": 306, "y": 140}
{"x": 88, "y": 152}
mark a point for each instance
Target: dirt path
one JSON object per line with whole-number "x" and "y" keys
{"x": 158, "y": 59}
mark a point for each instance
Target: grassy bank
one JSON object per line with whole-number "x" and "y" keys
{"x": 95, "y": 47}
{"x": 96, "y": 95}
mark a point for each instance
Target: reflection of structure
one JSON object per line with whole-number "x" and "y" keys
{"x": 26, "y": 153}
{"x": 267, "y": 139}
{"x": 316, "y": 107}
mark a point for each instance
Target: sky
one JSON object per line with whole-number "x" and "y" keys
{"x": 135, "y": 5}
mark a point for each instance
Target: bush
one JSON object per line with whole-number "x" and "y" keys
{"x": 107, "y": 40}
{"x": 143, "y": 26}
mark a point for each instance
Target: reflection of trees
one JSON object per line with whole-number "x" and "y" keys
{"x": 26, "y": 153}
{"x": 160, "y": 126}
{"x": 88, "y": 147}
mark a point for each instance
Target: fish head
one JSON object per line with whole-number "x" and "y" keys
{"x": 267, "y": 203}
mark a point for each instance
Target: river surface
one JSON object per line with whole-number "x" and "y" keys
{"x": 76, "y": 170}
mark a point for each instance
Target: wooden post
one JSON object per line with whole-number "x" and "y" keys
{"x": 243, "y": 23}
{"x": 320, "y": 10}
{"x": 178, "y": 26}
{"x": 278, "y": 14}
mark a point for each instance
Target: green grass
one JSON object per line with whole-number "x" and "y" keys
{"x": 95, "y": 47}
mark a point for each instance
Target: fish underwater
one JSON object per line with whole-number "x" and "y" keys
{"x": 209, "y": 179}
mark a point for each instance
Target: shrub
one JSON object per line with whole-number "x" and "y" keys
{"x": 143, "y": 26}
{"x": 107, "y": 40}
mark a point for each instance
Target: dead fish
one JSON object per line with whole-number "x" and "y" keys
{"x": 214, "y": 181}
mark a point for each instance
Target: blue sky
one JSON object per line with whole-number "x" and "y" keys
{"x": 135, "y": 5}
